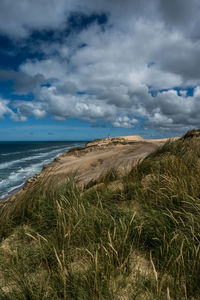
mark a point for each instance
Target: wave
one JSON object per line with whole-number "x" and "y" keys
{"x": 42, "y": 155}
{"x": 18, "y": 171}
{"x": 16, "y": 179}
{"x": 8, "y": 164}
{"x": 11, "y": 191}
{"x": 29, "y": 151}
{"x": 34, "y": 157}
{"x": 46, "y": 148}
{"x": 23, "y": 173}
{"x": 33, "y": 150}
{"x": 11, "y": 153}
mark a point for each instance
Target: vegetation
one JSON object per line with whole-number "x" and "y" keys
{"x": 75, "y": 149}
{"x": 131, "y": 237}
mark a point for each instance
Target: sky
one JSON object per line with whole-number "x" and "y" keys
{"x": 80, "y": 70}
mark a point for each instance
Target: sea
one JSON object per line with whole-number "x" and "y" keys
{"x": 22, "y": 160}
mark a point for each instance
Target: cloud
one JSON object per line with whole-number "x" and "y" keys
{"x": 18, "y": 19}
{"x": 175, "y": 111}
{"x": 27, "y": 108}
{"x": 114, "y": 75}
{"x": 48, "y": 68}
{"x": 182, "y": 15}
{"x": 123, "y": 71}
{"x": 4, "y": 109}
{"x": 125, "y": 122}
{"x": 22, "y": 82}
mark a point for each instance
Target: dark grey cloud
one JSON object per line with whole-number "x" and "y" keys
{"x": 179, "y": 56}
{"x": 177, "y": 11}
{"x": 66, "y": 88}
{"x": 27, "y": 84}
{"x": 18, "y": 18}
{"x": 7, "y": 75}
{"x": 22, "y": 83}
{"x": 181, "y": 15}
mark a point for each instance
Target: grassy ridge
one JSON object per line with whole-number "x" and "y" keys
{"x": 123, "y": 237}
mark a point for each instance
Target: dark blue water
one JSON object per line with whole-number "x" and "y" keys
{"x": 21, "y": 160}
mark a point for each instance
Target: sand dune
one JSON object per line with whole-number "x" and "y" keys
{"x": 96, "y": 158}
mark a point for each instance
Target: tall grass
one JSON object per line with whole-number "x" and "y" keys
{"x": 166, "y": 187}
{"x": 77, "y": 243}
{"x": 140, "y": 240}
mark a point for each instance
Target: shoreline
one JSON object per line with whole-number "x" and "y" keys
{"x": 15, "y": 190}
{"x": 94, "y": 158}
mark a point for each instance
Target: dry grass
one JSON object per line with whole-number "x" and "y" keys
{"x": 135, "y": 236}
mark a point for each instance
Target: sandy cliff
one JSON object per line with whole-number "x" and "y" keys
{"x": 91, "y": 161}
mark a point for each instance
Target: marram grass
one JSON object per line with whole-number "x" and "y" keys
{"x": 134, "y": 236}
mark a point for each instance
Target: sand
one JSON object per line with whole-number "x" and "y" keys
{"x": 94, "y": 159}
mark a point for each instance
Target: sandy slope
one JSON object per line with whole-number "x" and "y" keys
{"x": 97, "y": 157}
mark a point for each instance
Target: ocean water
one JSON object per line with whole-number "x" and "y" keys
{"x": 22, "y": 160}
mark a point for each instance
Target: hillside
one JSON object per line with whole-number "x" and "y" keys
{"x": 109, "y": 221}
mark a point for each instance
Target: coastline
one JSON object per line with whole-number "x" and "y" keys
{"x": 90, "y": 161}
{"x": 16, "y": 189}
{"x": 13, "y": 192}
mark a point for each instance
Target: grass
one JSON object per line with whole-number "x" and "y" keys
{"x": 75, "y": 149}
{"x": 139, "y": 240}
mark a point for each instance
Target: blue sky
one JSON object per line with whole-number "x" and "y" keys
{"x": 70, "y": 71}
